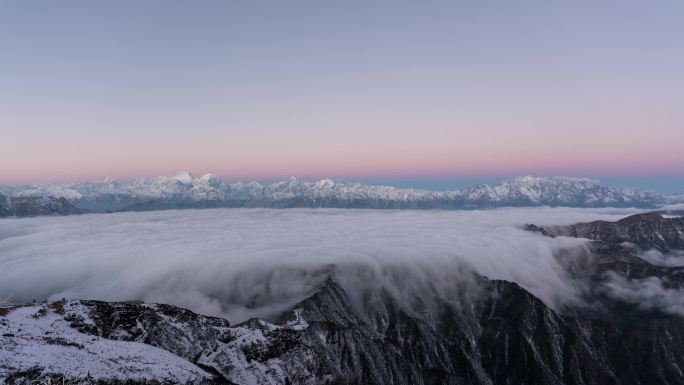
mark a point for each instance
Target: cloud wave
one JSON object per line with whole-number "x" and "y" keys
{"x": 251, "y": 262}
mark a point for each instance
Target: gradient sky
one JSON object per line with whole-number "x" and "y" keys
{"x": 365, "y": 90}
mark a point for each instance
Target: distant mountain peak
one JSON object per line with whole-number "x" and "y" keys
{"x": 108, "y": 179}
{"x": 208, "y": 177}
{"x": 184, "y": 177}
{"x": 325, "y": 183}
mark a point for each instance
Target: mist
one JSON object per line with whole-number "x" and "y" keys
{"x": 648, "y": 293}
{"x": 240, "y": 263}
{"x": 674, "y": 258}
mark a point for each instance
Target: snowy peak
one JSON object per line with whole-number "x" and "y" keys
{"x": 184, "y": 177}
{"x": 209, "y": 179}
{"x": 324, "y": 184}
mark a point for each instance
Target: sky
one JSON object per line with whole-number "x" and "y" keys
{"x": 421, "y": 93}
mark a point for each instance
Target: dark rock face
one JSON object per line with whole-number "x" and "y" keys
{"x": 507, "y": 337}
{"x": 36, "y": 206}
{"x": 151, "y": 324}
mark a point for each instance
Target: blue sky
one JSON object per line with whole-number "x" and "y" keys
{"x": 436, "y": 91}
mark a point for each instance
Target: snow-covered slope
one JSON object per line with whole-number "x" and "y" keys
{"x": 40, "y": 336}
{"x": 185, "y": 191}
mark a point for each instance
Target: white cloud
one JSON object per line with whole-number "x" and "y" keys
{"x": 648, "y": 293}
{"x": 249, "y": 262}
{"x": 674, "y": 258}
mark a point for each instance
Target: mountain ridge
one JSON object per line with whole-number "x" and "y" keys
{"x": 187, "y": 191}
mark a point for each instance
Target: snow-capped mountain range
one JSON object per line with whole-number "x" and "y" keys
{"x": 187, "y": 191}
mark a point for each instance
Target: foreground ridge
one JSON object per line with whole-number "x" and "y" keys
{"x": 508, "y": 337}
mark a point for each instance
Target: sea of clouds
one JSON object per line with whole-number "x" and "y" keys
{"x": 241, "y": 263}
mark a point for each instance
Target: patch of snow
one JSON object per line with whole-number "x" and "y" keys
{"x": 36, "y": 335}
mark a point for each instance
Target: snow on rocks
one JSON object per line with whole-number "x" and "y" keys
{"x": 145, "y": 342}
{"x": 39, "y": 336}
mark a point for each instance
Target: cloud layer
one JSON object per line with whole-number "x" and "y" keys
{"x": 648, "y": 293}
{"x": 251, "y": 262}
